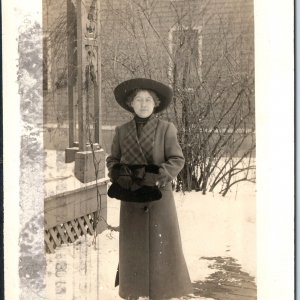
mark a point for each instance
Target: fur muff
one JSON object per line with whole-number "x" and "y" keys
{"x": 142, "y": 186}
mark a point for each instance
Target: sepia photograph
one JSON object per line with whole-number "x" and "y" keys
{"x": 138, "y": 151}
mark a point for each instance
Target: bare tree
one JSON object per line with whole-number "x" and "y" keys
{"x": 212, "y": 79}
{"x": 213, "y": 104}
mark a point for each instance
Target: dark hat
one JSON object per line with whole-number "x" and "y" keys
{"x": 124, "y": 89}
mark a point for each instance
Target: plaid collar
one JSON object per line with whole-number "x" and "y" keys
{"x": 139, "y": 150}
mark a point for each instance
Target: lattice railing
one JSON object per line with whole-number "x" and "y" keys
{"x": 68, "y": 232}
{"x": 70, "y": 215}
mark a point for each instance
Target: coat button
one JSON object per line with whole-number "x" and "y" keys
{"x": 146, "y": 209}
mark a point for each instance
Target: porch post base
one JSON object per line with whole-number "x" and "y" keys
{"x": 89, "y": 165}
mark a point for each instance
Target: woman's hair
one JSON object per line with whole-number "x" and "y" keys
{"x": 134, "y": 93}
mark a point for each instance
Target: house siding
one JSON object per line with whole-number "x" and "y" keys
{"x": 135, "y": 42}
{"x": 123, "y": 39}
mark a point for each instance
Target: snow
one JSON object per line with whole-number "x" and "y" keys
{"x": 211, "y": 226}
{"x": 59, "y": 176}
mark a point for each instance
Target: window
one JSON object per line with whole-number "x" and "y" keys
{"x": 185, "y": 61}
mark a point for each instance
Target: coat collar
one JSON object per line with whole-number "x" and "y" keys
{"x": 139, "y": 150}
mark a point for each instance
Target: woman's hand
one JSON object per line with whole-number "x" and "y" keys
{"x": 159, "y": 184}
{"x": 151, "y": 179}
{"x": 125, "y": 182}
{"x": 122, "y": 175}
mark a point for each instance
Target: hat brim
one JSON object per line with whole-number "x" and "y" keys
{"x": 124, "y": 89}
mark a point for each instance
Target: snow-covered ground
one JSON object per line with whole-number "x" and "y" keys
{"x": 211, "y": 226}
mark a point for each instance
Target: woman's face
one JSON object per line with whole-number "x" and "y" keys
{"x": 143, "y": 104}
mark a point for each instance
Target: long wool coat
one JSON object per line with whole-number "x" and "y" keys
{"x": 151, "y": 261}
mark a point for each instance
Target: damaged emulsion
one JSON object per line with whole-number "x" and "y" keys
{"x": 32, "y": 263}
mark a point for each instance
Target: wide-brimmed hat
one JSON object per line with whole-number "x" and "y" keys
{"x": 124, "y": 89}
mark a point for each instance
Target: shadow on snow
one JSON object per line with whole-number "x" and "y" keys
{"x": 229, "y": 282}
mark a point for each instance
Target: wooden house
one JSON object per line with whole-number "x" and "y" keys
{"x": 185, "y": 43}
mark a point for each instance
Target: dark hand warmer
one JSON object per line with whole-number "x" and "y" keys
{"x": 135, "y": 183}
{"x": 122, "y": 175}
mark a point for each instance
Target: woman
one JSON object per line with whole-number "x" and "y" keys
{"x": 145, "y": 157}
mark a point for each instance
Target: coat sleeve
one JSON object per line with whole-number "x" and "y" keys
{"x": 174, "y": 159}
{"x": 115, "y": 153}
